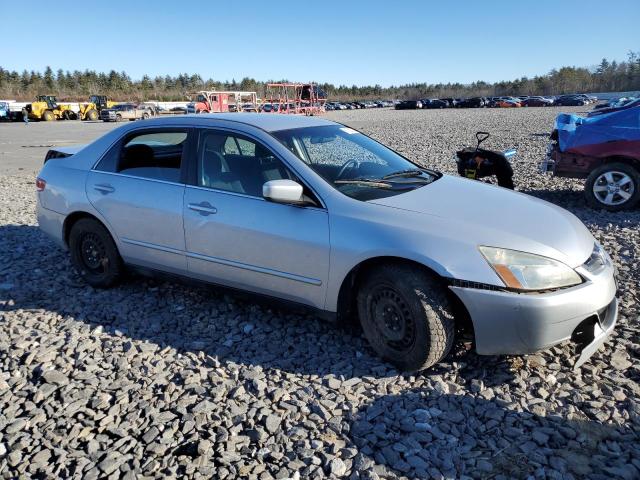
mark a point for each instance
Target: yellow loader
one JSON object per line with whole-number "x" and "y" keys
{"x": 46, "y": 108}
{"x": 91, "y": 110}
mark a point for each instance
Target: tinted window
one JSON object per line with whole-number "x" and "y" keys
{"x": 155, "y": 155}
{"x": 236, "y": 164}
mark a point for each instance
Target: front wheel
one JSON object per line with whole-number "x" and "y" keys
{"x": 94, "y": 254}
{"x": 118, "y": 118}
{"x": 406, "y": 316}
{"x": 613, "y": 186}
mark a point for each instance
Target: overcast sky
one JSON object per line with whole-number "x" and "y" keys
{"x": 346, "y": 42}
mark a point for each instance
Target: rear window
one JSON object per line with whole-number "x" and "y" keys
{"x": 51, "y": 154}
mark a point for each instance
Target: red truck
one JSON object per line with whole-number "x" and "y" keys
{"x": 222, "y": 101}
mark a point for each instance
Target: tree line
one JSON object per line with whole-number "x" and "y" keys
{"x": 608, "y": 76}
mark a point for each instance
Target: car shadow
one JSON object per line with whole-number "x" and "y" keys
{"x": 574, "y": 201}
{"x": 37, "y": 275}
{"x": 567, "y": 198}
{"x": 426, "y": 433}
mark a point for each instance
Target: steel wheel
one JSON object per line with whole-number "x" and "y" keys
{"x": 613, "y": 188}
{"x": 393, "y": 319}
{"x": 93, "y": 253}
{"x": 405, "y": 315}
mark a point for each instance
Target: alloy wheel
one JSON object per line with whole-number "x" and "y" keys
{"x": 613, "y": 188}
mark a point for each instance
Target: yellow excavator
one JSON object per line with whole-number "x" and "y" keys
{"x": 46, "y": 108}
{"x": 91, "y": 110}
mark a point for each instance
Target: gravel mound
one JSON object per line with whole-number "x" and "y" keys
{"x": 155, "y": 379}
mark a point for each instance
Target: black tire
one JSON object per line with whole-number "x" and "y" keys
{"x": 48, "y": 116}
{"x": 594, "y": 189}
{"x": 94, "y": 254}
{"x": 145, "y": 116}
{"x": 406, "y": 316}
{"x": 92, "y": 115}
{"x": 118, "y": 118}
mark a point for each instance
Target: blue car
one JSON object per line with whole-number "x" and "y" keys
{"x": 5, "y": 113}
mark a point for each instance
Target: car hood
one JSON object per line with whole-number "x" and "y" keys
{"x": 494, "y": 216}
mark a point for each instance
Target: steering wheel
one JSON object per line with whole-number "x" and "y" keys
{"x": 350, "y": 164}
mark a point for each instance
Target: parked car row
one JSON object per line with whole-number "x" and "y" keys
{"x": 614, "y": 105}
{"x": 496, "y": 102}
{"x": 357, "y": 105}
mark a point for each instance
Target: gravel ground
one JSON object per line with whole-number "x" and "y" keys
{"x": 155, "y": 379}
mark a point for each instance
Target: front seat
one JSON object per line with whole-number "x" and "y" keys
{"x": 214, "y": 171}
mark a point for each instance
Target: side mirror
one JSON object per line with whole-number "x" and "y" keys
{"x": 283, "y": 191}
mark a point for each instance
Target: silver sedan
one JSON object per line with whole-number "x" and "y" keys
{"x": 314, "y": 212}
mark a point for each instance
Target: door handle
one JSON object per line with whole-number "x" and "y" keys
{"x": 203, "y": 208}
{"x": 104, "y": 188}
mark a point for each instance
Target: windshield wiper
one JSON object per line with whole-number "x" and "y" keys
{"x": 363, "y": 181}
{"x": 412, "y": 172}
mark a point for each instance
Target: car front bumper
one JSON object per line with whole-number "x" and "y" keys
{"x": 518, "y": 323}
{"x": 548, "y": 164}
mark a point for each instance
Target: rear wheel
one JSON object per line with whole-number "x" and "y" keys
{"x": 406, "y": 316}
{"x": 48, "y": 116}
{"x": 613, "y": 186}
{"x": 94, "y": 253}
{"x": 118, "y": 118}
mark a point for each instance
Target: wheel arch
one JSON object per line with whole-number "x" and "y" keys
{"x": 632, "y": 162}
{"x": 346, "y": 304}
{"x": 73, "y": 218}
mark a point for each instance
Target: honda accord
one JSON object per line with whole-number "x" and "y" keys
{"x": 314, "y": 212}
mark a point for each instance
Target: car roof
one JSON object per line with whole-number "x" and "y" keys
{"x": 267, "y": 122}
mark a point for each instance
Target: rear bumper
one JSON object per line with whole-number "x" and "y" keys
{"x": 512, "y": 323}
{"x": 51, "y": 223}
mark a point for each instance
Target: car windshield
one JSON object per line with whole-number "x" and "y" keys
{"x": 353, "y": 163}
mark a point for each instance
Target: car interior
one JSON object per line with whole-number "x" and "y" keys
{"x": 160, "y": 162}
{"x": 237, "y": 165}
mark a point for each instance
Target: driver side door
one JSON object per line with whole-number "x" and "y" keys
{"x": 234, "y": 237}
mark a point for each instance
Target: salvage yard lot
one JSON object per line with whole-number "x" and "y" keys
{"x": 157, "y": 379}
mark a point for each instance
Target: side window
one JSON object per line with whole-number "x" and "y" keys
{"x": 156, "y": 155}
{"x": 236, "y": 164}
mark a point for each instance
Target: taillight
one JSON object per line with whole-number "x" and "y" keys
{"x": 40, "y": 184}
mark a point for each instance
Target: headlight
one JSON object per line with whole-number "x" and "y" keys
{"x": 525, "y": 271}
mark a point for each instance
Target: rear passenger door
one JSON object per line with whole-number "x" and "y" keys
{"x": 237, "y": 238}
{"x": 138, "y": 188}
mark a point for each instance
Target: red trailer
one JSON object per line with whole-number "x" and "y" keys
{"x": 215, "y": 102}
{"x": 298, "y": 98}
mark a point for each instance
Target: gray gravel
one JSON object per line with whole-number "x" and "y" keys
{"x": 155, "y": 379}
